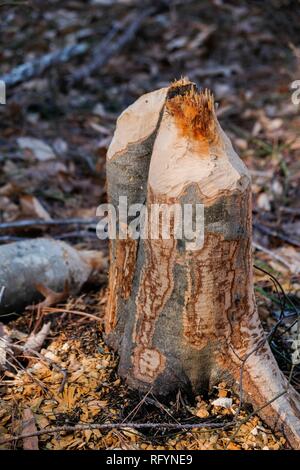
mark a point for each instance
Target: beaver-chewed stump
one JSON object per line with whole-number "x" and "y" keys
{"x": 182, "y": 315}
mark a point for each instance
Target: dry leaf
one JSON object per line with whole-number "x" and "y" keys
{"x": 38, "y": 148}
{"x": 35, "y": 341}
{"x": 31, "y": 206}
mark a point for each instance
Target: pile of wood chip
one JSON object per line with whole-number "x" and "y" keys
{"x": 74, "y": 381}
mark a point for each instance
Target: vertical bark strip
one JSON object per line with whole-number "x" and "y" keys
{"x": 181, "y": 318}
{"x": 155, "y": 286}
{"x": 127, "y": 167}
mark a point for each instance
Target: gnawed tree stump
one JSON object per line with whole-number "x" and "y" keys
{"x": 183, "y": 316}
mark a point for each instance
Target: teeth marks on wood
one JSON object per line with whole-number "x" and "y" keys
{"x": 156, "y": 285}
{"x": 121, "y": 272}
{"x": 148, "y": 363}
{"x": 111, "y": 308}
{"x": 210, "y": 275}
{"x": 128, "y": 249}
{"x": 194, "y": 114}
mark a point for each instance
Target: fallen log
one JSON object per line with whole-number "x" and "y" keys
{"x": 33, "y": 267}
{"x": 29, "y": 70}
{"x": 182, "y": 314}
{"x": 110, "y": 45}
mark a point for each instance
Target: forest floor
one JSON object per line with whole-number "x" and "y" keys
{"x": 248, "y": 56}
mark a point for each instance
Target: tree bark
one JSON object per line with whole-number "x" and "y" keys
{"x": 183, "y": 316}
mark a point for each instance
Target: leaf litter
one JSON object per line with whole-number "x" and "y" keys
{"x": 93, "y": 393}
{"x": 54, "y": 138}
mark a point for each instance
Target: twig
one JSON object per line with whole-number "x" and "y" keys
{"x": 15, "y": 4}
{"x": 290, "y": 210}
{"x": 273, "y": 233}
{"x": 48, "y": 310}
{"x": 283, "y": 298}
{"x": 224, "y": 71}
{"x": 8, "y": 238}
{"x": 111, "y": 46}
{"x": 137, "y": 407}
{"x": 91, "y": 426}
{"x": 26, "y": 371}
{"x": 46, "y": 223}
{"x": 154, "y": 401}
{"x": 2, "y": 290}
{"x": 275, "y": 281}
{"x": 83, "y": 234}
{"x": 37, "y": 67}
{"x": 272, "y": 255}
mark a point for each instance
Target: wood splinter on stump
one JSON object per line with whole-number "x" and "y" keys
{"x": 181, "y": 317}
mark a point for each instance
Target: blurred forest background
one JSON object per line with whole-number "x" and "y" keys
{"x": 83, "y": 62}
